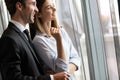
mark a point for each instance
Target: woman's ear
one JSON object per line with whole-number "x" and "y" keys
{"x": 39, "y": 15}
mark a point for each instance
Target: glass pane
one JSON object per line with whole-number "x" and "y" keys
{"x": 109, "y": 21}
{"x": 3, "y": 16}
{"x": 70, "y": 16}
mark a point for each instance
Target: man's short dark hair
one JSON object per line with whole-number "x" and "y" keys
{"x": 11, "y": 5}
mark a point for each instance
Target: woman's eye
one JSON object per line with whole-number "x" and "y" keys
{"x": 49, "y": 7}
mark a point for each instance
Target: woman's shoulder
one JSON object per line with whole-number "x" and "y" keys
{"x": 38, "y": 37}
{"x": 42, "y": 37}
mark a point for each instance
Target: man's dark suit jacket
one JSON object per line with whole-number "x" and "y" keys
{"x": 17, "y": 58}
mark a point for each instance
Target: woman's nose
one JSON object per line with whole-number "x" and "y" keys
{"x": 54, "y": 8}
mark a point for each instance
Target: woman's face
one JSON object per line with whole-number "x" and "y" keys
{"x": 48, "y": 11}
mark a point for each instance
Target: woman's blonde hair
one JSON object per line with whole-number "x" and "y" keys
{"x": 38, "y": 22}
{"x": 37, "y": 25}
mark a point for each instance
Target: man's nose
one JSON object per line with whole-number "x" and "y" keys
{"x": 36, "y": 9}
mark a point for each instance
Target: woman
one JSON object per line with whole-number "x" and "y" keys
{"x": 52, "y": 42}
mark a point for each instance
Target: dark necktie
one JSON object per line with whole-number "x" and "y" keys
{"x": 27, "y": 34}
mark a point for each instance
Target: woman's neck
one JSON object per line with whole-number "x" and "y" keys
{"x": 47, "y": 27}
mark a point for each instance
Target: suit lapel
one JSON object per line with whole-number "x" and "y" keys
{"x": 11, "y": 25}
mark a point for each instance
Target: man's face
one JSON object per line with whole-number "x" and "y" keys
{"x": 29, "y": 11}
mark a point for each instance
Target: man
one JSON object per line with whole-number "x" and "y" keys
{"x": 17, "y": 57}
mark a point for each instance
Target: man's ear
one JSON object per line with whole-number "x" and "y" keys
{"x": 19, "y": 6}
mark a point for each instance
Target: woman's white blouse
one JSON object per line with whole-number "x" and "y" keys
{"x": 46, "y": 49}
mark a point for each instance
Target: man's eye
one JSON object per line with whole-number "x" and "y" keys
{"x": 34, "y": 3}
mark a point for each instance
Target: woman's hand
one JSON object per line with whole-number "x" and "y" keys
{"x": 55, "y": 32}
